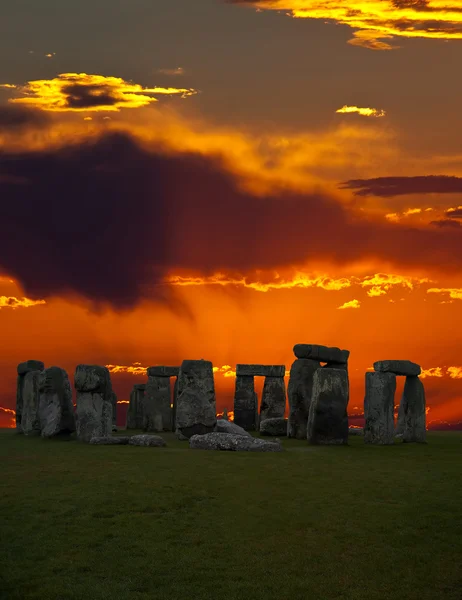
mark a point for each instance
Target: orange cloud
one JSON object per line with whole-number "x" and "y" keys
{"x": 134, "y": 369}
{"x": 79, "y": 92}
{"x": 350, "y": 304}
{"x": 454, "y": 293}
{"x": 13, "y": 302}
{"x": 365, "y": 112}
{"x": 381, "y": 283}
{"x": 376, "y": 20}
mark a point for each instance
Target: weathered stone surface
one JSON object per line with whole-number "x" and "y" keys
{"x": 232, "y": 442}
{"x": 355, "y": 431}
{"x": 273, "y": 400}
{"x": 94, "y": 402}
{"x": 56, "y": 411}
{"x": 260, "y": 370}
{"x": 322, "y": 353}
{"x": 135, "y": 408}
{"x": 328, "y": 419}
{"x": 274, "y": 426}
{"x": 196, "y": 408}
{"x": 299, "y": 391}
{"x": 398, "y": 367}
{"x": 114, "y": 411}
{"x": 22, "y": 370}
{"x": 379, "y": 401}
{"x": 414, "y": 411}
{"x": 224, "y": 426}
{"x": 110, "y": 441}
{"x": 163, "y": 371}
{"x": 245, "y": 403}
{"x": 399, "y": 429}
{"x": 157, "y": 412}
{"x": 147, "y": 440}
{"x": 30, "y": 422}
{"x": 175, "y": 401}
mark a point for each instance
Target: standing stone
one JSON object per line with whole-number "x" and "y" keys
{"x": 414, "y": 411}
{"x": 273, "y": 400}
{"x": 300, "y": 390}
{"x": 245, "y": 403}
{"x": 196, "y": 407}
{"x": 94, "y": 402}
{"x": 22, "y": 370}
{"x": 135, "y": 407}
{"x": 114, "y": 411}
{"x": 157, "y": 413}
{"x": 30, "y": 422}
{"x": 328, "y": 418}
{"x": 399, "y": 429}
{"x": 175, "y": 400}
{"x": 56, "y": 411}
{"x": 379, "y": 403}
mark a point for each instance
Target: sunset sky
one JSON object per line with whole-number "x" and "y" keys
{"x": 224, "y": 179}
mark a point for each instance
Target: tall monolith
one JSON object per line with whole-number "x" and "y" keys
{"x": 157, "y": 412}
{"x": 245, "y": 403}
{"x": 379, "y": 402}
{"x": 300, "y": 391}
{"x": 22, "y": 370}
{"x": 56, "y": 411}
{"x": 30, "y": 421}
{"x": 273, "y": 399}
{"x": 414, "y": 411}
{"x": 196, "y": 407}
{"x": 94, "y": 402}
{"x": 328, "y": 418}
{"x": 135, "y": 407}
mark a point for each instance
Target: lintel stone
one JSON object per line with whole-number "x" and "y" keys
{"x": 322, "y": 353}
{"x": 398, "y": 367}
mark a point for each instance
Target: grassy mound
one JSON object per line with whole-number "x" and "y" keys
{"x": 81, "y": 522}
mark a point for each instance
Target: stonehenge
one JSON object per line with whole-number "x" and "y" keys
{"x": 157, "y": 409}
{"x": 328, "y": 418}
{"x": 195, "y": 404}
{"x": 22, "y": 370}
{"x": 379, "y": 425}
{"x": 56, "y": 411}
{"x": 94, "y": 402}
{"x": 273, "y": 402}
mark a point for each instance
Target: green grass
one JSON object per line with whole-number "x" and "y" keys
{"x": 83, "y": 522}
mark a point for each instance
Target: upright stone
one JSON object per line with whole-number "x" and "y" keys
{"x": 245, "y": 403}
{"x": 196, "y": 407}
{"x": 378, "y": 408}
{"x": 157, "y": 413}
{"x": 175, "y": 400}
{"x": 399, "y": 429}
{"x": 414, "y": 411}
{"x": 94, "y": 402}
{"x": 328, "y": 418}
{"x": 300, "y": 391}
{"x": 56, "y": 411}
{"x": 22, "y": 370}
{"x": 114, "y": 411}
{"x": 135, "y": 407}
{"x": 273, "y": 399}
{"x": 30, "y": 422}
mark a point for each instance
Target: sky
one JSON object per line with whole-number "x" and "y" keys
{"x": 224, "y": 179}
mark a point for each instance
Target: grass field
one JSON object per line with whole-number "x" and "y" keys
{"x": 121, "y": 522}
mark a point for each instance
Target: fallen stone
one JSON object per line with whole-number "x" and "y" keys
{"x": 22, "y": 370}
{"x": 260, "y": 370}
{"x": 245, "y": 403}
{"x": 147, "y": 440}
{"x": 135, "y": 408}
{"x": 414, "y": 411}
{"x": 163, "y": 371}
{"x": 56, "y": 411}
{"x": 274, "y": 426}
{"x": 300, "y": 391}
{"x": 379, "y": 402}
{"x": 398, "y": 367}
{"x": 30, "y": 422}
{"x": 94, "y": 402}
{"x": 195, "y": 406}
{"x": 110, "y": 441}
{"x": 273, "y": 400}
{"x": 328, "y": 419}
{"x": 232, "y": 442}
{"x": 157, "y": 412}
{"x": 322, "y": 353}
{"x": 224, "y": 426}
{"x": 355, "y": 431}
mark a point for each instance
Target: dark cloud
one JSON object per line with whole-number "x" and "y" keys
{"x": 89, "y": 96}
{"x": 445, "y": 223}
{"x": 387, "y": 187}
{"x": 108, "y": 220}
{"x": 454, "y": 213}
{"x": 16, "y": 117}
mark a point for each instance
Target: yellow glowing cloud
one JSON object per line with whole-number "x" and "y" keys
{"x": 79, "y": 92}
{"x": 225, "y": 370}
{"x": 455, "y": 372}
{"x": 350, "y": 304}
{"x": 381, "y": 283}
{"x": 133, "y": 369}
{"x": 376, "y": 20}
{"x": 432, "y": 372}
{"x": 13, "y": 302}
{"x": 365, "y": 112}
{"x": 454, "y": 293}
